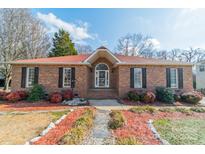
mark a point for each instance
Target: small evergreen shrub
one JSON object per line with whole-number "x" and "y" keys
{"x": 117, "y": 120}
{"x": 67, "y": 94}
{"x": 133, "y": 96}
{"x": 164, "y": 94}
{"x": 56, "y": 97}
{"x": 148, "y": 97}
{"x": 191, "y": 97}
{"x": 36, "y": 93}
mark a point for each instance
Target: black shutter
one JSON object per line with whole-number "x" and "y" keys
{"x": 168, "y": 77}
{"x": 36, "y": 75}
{"x": 144, "y": 78}
{"x": 23, "y": 77}
{"x": 131, "y": 77}
{"x": 60, "y": 79}
{"x": 180, "y": 78}
{"x": 73, "y": 77}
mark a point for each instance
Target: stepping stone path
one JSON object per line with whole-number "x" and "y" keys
{"x": 100, "y": 134}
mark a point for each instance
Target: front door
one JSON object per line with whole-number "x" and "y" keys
{"x": 102, "y": 78}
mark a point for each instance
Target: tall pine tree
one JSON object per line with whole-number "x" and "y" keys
{"x": 62, "y": 45}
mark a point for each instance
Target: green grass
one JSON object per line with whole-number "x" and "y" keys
{"x": 186, "y": 131}
{"x": 142, "y": 109}
{"x": 57, "y": 115}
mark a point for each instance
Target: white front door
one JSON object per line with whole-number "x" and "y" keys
{"x": 102, "y": 78}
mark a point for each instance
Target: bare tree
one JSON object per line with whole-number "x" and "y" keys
{"x": 162, "y": 54}
{"x": 83, "y": 49}
{"x": 175, "y": 55}
{"x": 135, "y": 44}
{"x": 21, "y": 36}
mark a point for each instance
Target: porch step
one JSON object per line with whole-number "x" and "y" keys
{"x": 102, "y": 93}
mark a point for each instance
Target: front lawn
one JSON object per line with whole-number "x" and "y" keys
{"x": 183, "y": 131}
{"x": 17, "y": 129}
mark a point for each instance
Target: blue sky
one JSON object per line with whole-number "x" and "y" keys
{"x": 170, "y": 28}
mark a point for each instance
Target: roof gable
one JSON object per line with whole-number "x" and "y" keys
{"x": 102, "y": 52}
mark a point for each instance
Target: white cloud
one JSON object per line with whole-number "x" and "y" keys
{"x": 78, "y": 32}
{"x": 155, "y": 42}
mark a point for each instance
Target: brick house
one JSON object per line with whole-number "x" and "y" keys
{"x": 101, "y": 74}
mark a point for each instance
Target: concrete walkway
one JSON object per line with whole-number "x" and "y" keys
{"x": 100, "y": 134}
{"x": 108, "y": 104}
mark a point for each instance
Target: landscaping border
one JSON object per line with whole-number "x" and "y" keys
{"x": 49, "y": 127}
{"x": 156, "y": 134}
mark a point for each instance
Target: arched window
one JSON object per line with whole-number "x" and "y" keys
{"x": 101, "y": 67}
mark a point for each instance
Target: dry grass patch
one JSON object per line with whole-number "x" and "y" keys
{"x": 17, "y": 129}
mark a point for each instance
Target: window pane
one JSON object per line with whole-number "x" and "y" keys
{"x": 173, "y": 78}
{"x": 30, "y": 77}
{"x": 138, "y": 78}
{"x": 101, "y": 67}
{"x": 67, "y": 77}
{"x": 202, "y": 68}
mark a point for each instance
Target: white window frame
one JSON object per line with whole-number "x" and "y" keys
{"x": 135, "y": 84}
{"x": 64, "y": 69}
{"x": 107, "y": 74}
{"x": 176, "y": 78}
{"x": 27, "y": 76}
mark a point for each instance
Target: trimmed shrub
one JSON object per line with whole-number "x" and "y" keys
{"x": 133, "y": 96}
{"x": 13, "y": 97}
{"x": 23, "y": 94}
{"x": 142, "y": 109}
{"x": 67, "y": 94}
{"x": 117, "y": 120}
{"x": 127, "y": 141}
{"x": 148, "y": 97}
{"x": 177, "y": 97}
{"x": 36, "y": 93}
{"x": 3, "y": 95}
{"x": 164, "y": 94}
{"x": 192, "y": 97}
{"x": 56, "y": 97}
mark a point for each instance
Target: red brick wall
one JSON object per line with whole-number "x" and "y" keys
{"x": 119, "y": 77}
{"x": 48, "y": 77}
{"x": 156, "y": 76}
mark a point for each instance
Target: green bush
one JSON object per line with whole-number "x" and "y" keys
{"x": 164, "y": 94}
{"x": 141, "y": 109}
{"x": 36, "y": 93}
{"x": 133, "y": 96}
{"x": 117, "y": 120}
{"x": 191, "y": 97}
{"x": 127, "y": 141}
{"x": 198, "y": 109}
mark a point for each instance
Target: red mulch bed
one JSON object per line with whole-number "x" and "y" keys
{"x": 28, "y": 106}
{"x": 136, "y": 125}
{"x": 55, "y": 134}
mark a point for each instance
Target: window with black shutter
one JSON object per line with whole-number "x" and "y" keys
{"x": 23, "y": 77}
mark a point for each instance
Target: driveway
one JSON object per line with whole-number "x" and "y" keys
{"x": 108, "y": 104}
